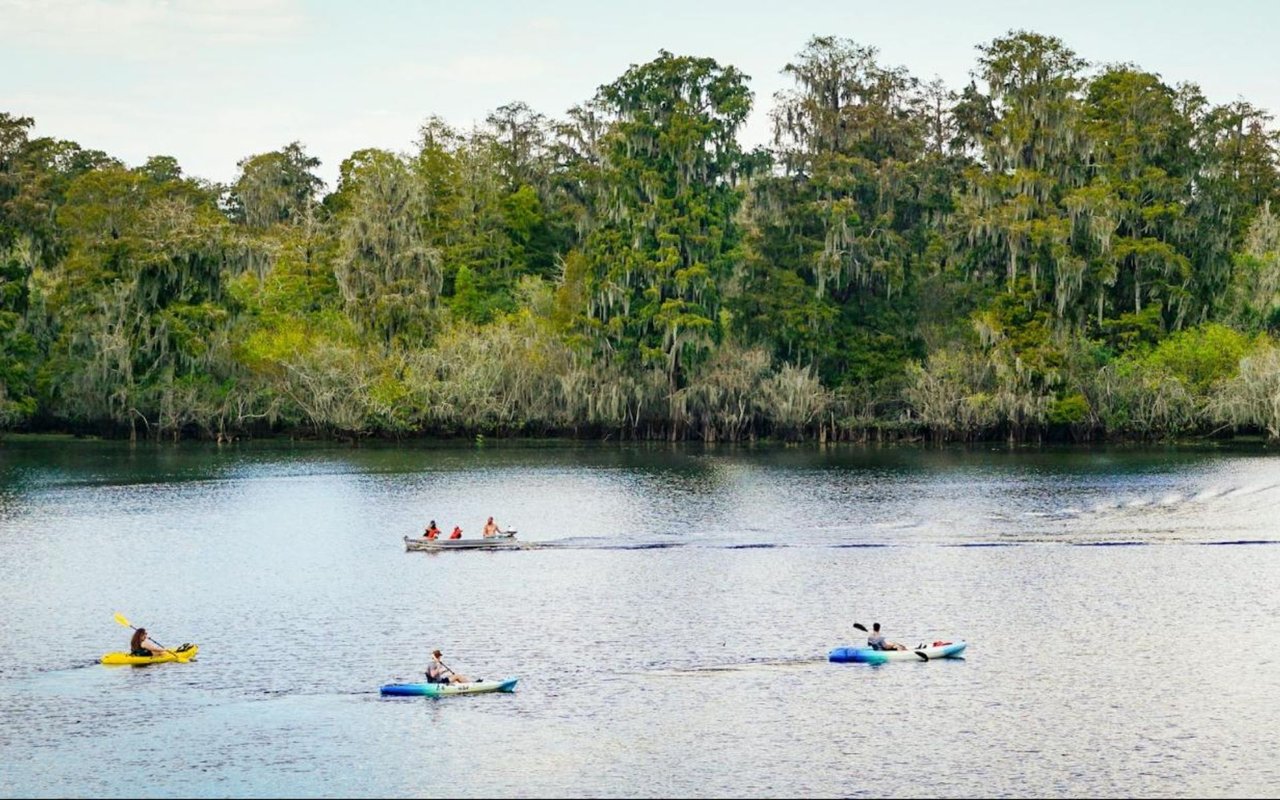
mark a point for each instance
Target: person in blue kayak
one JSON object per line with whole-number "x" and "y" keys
{"x": 876, "y": 640}
{"x": 437, "y": 672}
{"x": 141, "y": 644}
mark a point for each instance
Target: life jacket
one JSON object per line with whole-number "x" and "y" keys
{"x": 433, "y": 533}
{"x": 457, "y": 533}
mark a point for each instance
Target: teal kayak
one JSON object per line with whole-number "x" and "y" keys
{"x": 865, "y": 655}
{"x": 448, "y": 689}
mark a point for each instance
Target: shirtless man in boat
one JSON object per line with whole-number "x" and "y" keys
{"x": 876, "y": 640}
{"x": 490, "y": 528}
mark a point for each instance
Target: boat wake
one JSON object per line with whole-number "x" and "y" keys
{"x": 754, "y": 665}
{"x": 1230, "y": 514}
{"x": 1171, "y": 501}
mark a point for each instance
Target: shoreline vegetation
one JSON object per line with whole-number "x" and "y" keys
{"x": 1239, "y": 443}
{"x": 1057, "y": 251}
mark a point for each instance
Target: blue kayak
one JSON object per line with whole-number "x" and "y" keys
{"x": 448, "y": 689}
{"x": 865, "y": 655}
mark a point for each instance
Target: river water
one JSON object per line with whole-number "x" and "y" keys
{"x": 668, "y": 619}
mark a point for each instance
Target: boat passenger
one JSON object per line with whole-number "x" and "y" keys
{"x": 876, "y": 640}
{"x": 437, "y": 672}
{"x": 490, "y": 528}
{"x": 141, "y": 644}
{"x": 432, "y": 531}
{"x": 457, "y": 533}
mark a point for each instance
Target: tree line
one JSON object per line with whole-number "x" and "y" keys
{"x": 1054, "y": 250}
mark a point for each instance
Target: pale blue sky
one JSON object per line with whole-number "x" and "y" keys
{"x": 211, "y": 82}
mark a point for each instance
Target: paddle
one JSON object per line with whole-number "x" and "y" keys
{"x": 919, "y": 653}
{"x": 123, "y": 620}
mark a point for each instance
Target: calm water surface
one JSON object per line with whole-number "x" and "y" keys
{"x": 668, "y": 619}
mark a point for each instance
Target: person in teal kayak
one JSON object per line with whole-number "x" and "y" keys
{"x": 141, "y": 644}
{"x": 437, "y": 672}
{"x": 876, "y": 640}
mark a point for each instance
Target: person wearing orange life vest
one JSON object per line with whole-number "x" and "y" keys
{"x": 432, "y": 531}
{"x": 457, "y": 533}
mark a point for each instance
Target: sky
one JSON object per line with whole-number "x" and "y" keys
{"x": 211, "y": 82}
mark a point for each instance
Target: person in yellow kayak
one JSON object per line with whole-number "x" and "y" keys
{"x": 141, "y": 644}
{"x": 437, "y": 672}
{"x": 490, "y": 528}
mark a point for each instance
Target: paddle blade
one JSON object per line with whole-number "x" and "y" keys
{"x": 860, "y": 626}
{"x": 122, "y": 620}
{"x": 923, "y": 656}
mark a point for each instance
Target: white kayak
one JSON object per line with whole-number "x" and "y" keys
{"x": 866, "y": 655}
{"x": 503, "y": 540}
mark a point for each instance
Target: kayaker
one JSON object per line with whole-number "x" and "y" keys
{"x": 457, "y": 533}
{"x": 432, "y": 531}
{"x": 490, "y": 528}
{"x": 437, "y": 672}
{"x": 876, "y": 640}
{"x": 141, "y": 644}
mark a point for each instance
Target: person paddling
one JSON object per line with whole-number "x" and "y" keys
{"x": 490, "y": 528}
{"x": 437, "y": 672}
{"x": 432, "y": 531}
{"x": 141, "y": 644}
{"x": 876, "y": 640}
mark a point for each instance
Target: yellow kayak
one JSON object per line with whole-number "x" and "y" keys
{"x": 182, "y": 654}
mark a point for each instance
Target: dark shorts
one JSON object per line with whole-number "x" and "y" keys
{"x": 141, "y": 653}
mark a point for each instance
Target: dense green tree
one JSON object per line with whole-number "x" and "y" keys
{"x": 666, "y": 196}
{"x": 1253, "y": 299}
{"x": 389, "y": 275}
{"x": 839, "y": 236}
{"x": 1131, "y": 217}
{"x": 138, "y": 297}
{"x": 1035, "y": 153}
{"x": 276, "y": 187}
